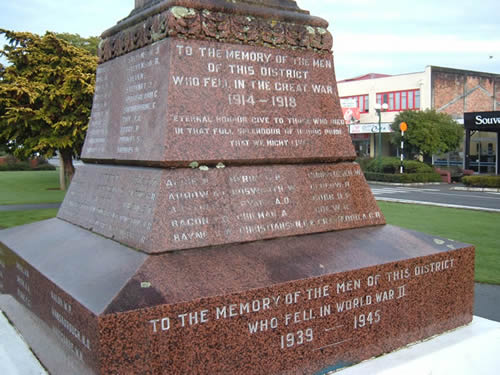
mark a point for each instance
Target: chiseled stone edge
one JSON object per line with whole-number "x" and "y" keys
{"x": 215, "y": 26}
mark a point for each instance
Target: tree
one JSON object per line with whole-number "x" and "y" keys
{"x": 46, "y": 96}
{"x": 89, "y": 44}
{"x": 429, "y": 132}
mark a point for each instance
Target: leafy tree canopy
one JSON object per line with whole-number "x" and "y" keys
{"x": 89, "y": 44}
{"x": 46, "y": 95}
{"x": 429, "y": 132}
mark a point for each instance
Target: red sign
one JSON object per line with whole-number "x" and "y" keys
{"x": 351, "y": 115}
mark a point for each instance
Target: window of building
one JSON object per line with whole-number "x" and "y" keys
{"x": 400, "y": 100}
{"x": 361, "y": 101}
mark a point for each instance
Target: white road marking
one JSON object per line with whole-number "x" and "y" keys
{"x": 437, "y": 204}
{"x": 390, "y": 190}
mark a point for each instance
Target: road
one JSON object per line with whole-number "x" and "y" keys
{"x": 438, "y": 195}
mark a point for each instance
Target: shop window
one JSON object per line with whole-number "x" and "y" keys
{"x": 361, "y": 102}
{"x": 400, "y": 100}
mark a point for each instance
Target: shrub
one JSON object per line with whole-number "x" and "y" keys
{"x": 44, "y": 167}
{"x": 482, "y": 181}
{"x": 13, "y": 164}
{"x": 403, "y": 178}
{"x": 364, "y": 162}
{"x": 385, "y": 165}
{"x": 414, "y": 166}
{"x": 20, "y": 166}
{"x": 391, "y": 165}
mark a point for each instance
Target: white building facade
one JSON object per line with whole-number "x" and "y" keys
{"x": 447, "y": 90}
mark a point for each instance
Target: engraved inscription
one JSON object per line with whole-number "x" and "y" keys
{"x": 68, "y": 343}
{"x": 24, "y": 271}
{"x": 250, "y": 83}
{"x": 130, "y": 219}
{"x": 141, "y": 93}
{"x": 61, "y": 302}
{"x": 219, "y": 205}
{"x": 334, "y": 311}
{"x": 246, "y": 101}
{"x": 70, "y": 328}
{"x": 23, "y": 290}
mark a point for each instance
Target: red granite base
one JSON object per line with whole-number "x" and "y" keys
{"x": 301, "y": 305}
{"x": 157, "y": 210}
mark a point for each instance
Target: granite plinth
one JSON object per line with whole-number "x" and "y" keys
{"x": 305, "y": 304}
{"x": 181, "y": 101}
{"x": 158, "y": 210}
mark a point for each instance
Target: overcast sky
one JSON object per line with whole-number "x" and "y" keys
{"x": 385, "y": 36}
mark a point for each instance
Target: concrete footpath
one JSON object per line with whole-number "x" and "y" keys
{"x": 487, "y": 301}
{"x": 16, "y": 357}
{"x": 27, "y": 207}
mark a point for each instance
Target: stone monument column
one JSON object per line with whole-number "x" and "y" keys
{"x": 220, "y": 224}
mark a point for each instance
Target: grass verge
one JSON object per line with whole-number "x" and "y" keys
{"x": 13, "y": 218}
{"x": 28, "y": 187}
{"x": 475, "y": 227}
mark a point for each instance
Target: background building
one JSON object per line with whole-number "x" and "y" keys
{"x": 448, "y": 90}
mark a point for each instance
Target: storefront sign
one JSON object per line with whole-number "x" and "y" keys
{"x": 482, "y": 121}
{"x": 370, "y": 128}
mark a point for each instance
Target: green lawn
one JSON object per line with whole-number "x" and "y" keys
{"x": 481, "y": 229}
{"x": 13, "y": 218}
{"x": 30, "y": 187}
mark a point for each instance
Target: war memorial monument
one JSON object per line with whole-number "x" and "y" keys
{"x": 220, "y": 224}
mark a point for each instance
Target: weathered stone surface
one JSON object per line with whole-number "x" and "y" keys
{"x": 276, "y": 24}
{"x": 159, "y": 210}
{"x": 304, "y": 305}
{"x": 181, "y": 101}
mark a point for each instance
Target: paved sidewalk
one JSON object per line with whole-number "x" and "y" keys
{"x": 26, "y": 207}
{"x": 16, "y": 357}
{"x": 487, "y": 301}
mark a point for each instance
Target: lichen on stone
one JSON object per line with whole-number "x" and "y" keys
{"x": 181, "y": 12}
{"x": 310, "y": 30}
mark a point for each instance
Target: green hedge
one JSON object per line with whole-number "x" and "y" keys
{"x": 364, "y": 163}
{"x": 25, "y": 166}
{"x": 403, "y": 178}
{"x": 391, "y": 165}
{"x": 482, "y": 181}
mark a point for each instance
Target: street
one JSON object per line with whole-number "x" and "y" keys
{"x": 442, "y": 195}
